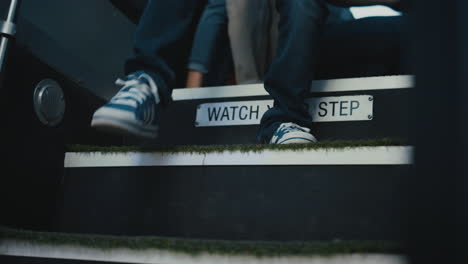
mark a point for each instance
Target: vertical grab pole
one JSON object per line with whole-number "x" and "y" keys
{"x": 7, "y": 31}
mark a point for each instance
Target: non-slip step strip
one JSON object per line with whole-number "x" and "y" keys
{"x": 387, "y": 155}
{"x": 322, "y": 86}
{"x": 154, "y": 256}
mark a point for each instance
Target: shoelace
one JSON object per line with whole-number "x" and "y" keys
{"x": 286, "y": 128}
{"x": 139, "y": 88}
{"x": 135, "y": 92}
{"x": 291, "y": 127}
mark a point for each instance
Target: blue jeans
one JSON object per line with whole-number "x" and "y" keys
{"x": 211, "y": 34}
{"x": 305, "y": 43}
{"x": 211, "y": 51}
{"x": 163, "y": 42}
{"x": 290, "y": 74}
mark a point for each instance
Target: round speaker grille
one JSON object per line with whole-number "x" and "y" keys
{"x": 49, "y": 102}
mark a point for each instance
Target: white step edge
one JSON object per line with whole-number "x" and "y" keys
{"x": 320, "y": 86}
{"x": 150, "y": 256}
{"x": 395, "y": 155}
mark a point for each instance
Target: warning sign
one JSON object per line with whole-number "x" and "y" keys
{"x": 323, "y": 109}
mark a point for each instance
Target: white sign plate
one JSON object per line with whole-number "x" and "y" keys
{"x": 322, "y": 109}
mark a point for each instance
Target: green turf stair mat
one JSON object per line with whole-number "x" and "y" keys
{"x": 336, "y": 144}
{"x": 148, "y": 249}
{"x": 364, "y": 152}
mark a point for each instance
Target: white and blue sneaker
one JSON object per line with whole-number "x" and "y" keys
{"x": 133, "y": 110}
{"x": 291, "y": 133}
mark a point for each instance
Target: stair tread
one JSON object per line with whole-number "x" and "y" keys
{"x": 319, "y": 86}
{"x": 336, "y": 144}
{"x": 198, "y": 246}
{"x": 375, "y": 152}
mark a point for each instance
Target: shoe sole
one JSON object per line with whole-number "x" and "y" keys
{"x": 122, "y": 127}
{"x": 297, "y": 140}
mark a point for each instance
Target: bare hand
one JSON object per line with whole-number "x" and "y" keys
{"x": 194, "y": 79}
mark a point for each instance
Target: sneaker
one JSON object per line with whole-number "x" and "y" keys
{"x": 133, "y": 110}
{"x": 291, "y": 133}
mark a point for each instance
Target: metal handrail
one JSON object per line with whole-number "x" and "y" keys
{"x": 7, "y": 31}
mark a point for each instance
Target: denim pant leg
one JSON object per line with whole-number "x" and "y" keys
{"x": 163, "y": 41}
{"x": 291, "y": 72}
{"x": 211, "y": 31}
{"x": 373, "y": 47}
{"x": 211, "y": 51}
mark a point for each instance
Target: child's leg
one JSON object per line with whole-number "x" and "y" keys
{"x": 163, "y": 41}
{"x": 291, "y": 73}
{"x": 211, "y": 31}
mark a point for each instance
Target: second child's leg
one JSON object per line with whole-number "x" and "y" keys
{"x": 210, "y": 38}
{"x": 249, "y": 25}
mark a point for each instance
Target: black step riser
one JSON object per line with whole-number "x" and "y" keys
{"x": 239, "y": 203}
